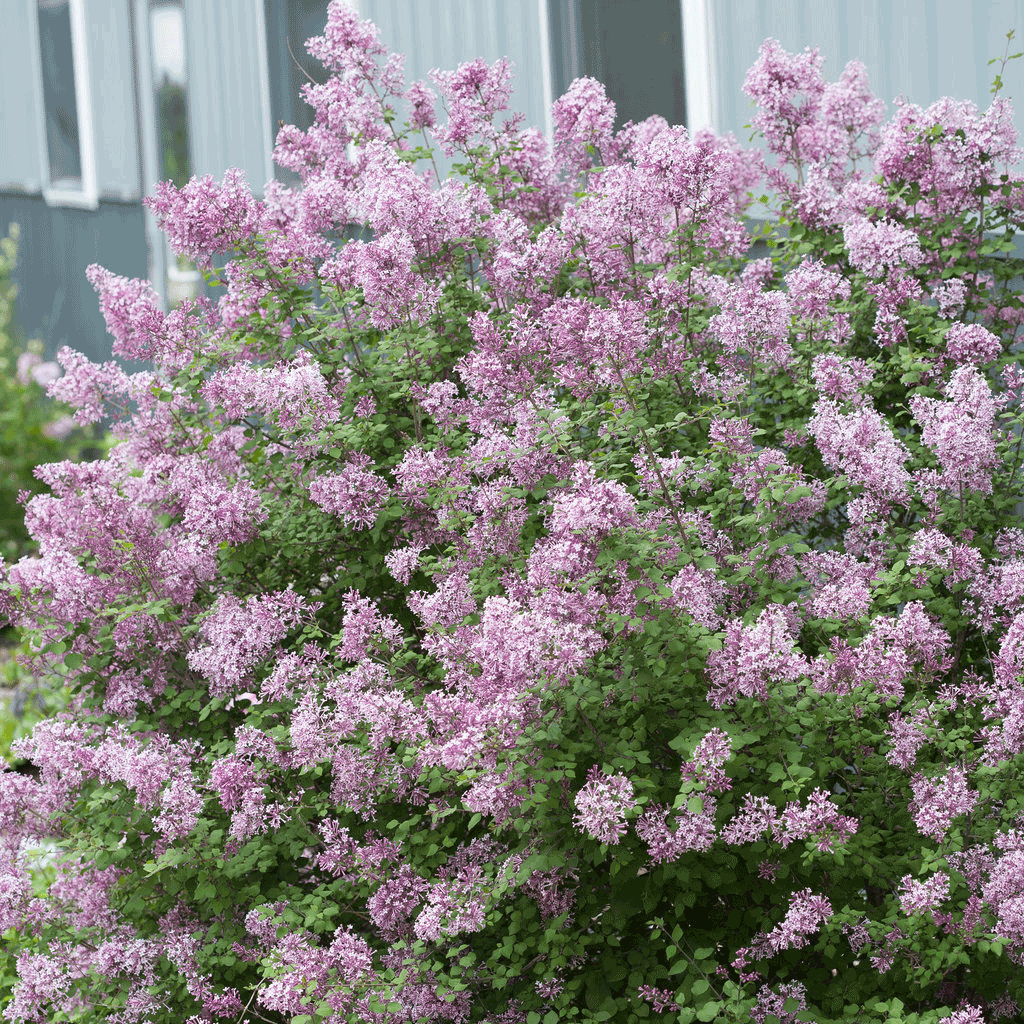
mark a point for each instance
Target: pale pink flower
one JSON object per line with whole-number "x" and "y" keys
{"x": 877, "y": 247}
{"x": 940, "y": 801}
{"x": 960, "y": 430}
{"x": 923, "y": 897}
{"x": 602, "y": 805}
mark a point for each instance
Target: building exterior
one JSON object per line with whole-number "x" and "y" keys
{"x": 102, "y": 98}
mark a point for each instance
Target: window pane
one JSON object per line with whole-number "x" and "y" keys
{"x": 61, "y": 109}
{"x": 167, "y": 34}
{"x": 635, "y": 47}
{"x": 289, "y": 24}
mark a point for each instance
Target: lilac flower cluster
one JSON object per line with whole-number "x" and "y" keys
{"x": 602, "y": 805}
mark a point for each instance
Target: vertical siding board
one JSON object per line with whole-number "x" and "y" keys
{"x": 990, "y": 41}
{"x": 860, "y": 39}
{"x": 907, "y": 52}
{"x": 113, "y": 99}
{"x": 783, "y": 23}
{"x": 741, "y": 30}
{"x": 201, "y": 47}
{"x": 445, "y": 33}
{"x": 20, "y": 167}
{"x": 919, "y": 49}
{"x": 820, "y": 22}
{"x": 992, "y": 21}
{"x": 225, "y": 92}
{"x": 243, "y": 112}
{"x": 955, "y": 42}
{"x": 445, "y": 58}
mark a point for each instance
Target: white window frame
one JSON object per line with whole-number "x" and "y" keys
{"x": 545, "y": 59}
{"x": 87, "y": 197}
{"x": 263, "y": 59}
{"x": 700, "y": 72}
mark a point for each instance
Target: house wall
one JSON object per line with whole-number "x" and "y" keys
{"x": 919, "y": 49}
{"x": 21, "y": 168}
{"x": 112, "y": 85}
{"x": 228, "y": 90}
{"x": 445, "y": 33}
{"x": 55, "y": 302}
{"x": 57, "y": 242}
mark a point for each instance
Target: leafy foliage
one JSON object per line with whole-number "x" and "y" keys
{"x": 33, "y": 430}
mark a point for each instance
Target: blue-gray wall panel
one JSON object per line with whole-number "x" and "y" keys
{"x": 20, "y": 166}
{"x": 55, "y": 302}
{"x": 113, "y": 98}
{"x": 445, "y": 33}
{"x": 230, "y": 120}
{"x": 921, "y": 50}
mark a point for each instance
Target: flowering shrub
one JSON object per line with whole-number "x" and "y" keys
{"x": 539, "y": 610}
{"x": 32, "y": 429}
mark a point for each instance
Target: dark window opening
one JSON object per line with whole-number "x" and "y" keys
{"x": 635, "y": 47}
{"x": 167, "y": 38}
{"x": 59, "y": 102}
{"x": 289, "y": 24}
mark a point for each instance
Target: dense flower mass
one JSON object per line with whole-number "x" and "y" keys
{"x": 536, "y": 608}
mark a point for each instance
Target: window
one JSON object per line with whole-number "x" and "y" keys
{"x": 167, "y": 42}
{"x": 635, "y": 47}
{"x": 168, "y": 60}
{"x": 289, "y": 24}
{"x": 68, "y": 153}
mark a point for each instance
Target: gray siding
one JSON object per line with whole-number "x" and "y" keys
{"x": 919, "y": 49}
{"x": 115, "y": 126}
{"x": 55, "y": 302}
{"x": 445, "y": 33}
{"x": 228, "y": 95}
{"x": 20, "y": 115}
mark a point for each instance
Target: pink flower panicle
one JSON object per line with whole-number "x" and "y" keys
{"x": 239, "y": 637}
{"x": 355, "y": 493}
{"x": 203, "y": 217}
{"x": 960, "y": 430}
{"x": 705, "y": 767}
{"x": 669, "y": 837}
{"x": 602, "y": 805}
{"x": 923, "y": 897}
{"x": 754, "y": 658}
{"x": 876, "y": 248}
{"x": 773, "y": 1003}
{"x": 662, "y": 1000}
{"x": 295, "y": 394}
{"x": 937, "y": 803}
{"x": 583, "y": 118}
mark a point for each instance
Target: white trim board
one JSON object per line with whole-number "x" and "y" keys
{"x": 87, "y": 197}
{"x": 699, "y": 65}
{"x": 545, "y": 58}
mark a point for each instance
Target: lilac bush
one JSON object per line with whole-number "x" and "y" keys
{"x": 538, "y": 608}
{"x": 32, "y": 429}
